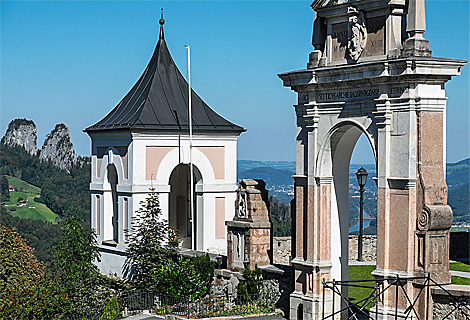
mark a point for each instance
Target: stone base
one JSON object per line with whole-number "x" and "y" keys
{"x": 113, "y": 261}
{"x": 308, "y": 306}
{"x": 443, "y": 303}
{"x": 416, "y": 48}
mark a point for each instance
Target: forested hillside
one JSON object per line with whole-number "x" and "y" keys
{"x": 279, "y": 181}
{"x": 42, "y": 236}
{"x": 60, "y": 191}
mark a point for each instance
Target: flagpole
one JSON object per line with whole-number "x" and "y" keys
{"x": 191, "y": 203}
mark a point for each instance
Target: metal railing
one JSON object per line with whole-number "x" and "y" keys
{"x": 133, "y": 302}
{"x": 368, "y": 307}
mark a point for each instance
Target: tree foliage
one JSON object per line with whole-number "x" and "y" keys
{"x": 26, "y": 292}
{"x": 4, "y": 189}
{"x": 61, "y": 191}
{"x": 77, "y": 249}
{"x": 40, "y": 235}
{"x": 152, "y": 254}
{"x": 280, "y": 217}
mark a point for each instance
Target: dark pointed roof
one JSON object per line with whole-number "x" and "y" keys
{"x": 159, "y": 101}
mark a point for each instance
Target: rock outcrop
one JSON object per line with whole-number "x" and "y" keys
{"x": 58, "y": 148}
{"x": 22, "y": 132}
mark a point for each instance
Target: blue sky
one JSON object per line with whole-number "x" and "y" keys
{"x": 73, "y": 61}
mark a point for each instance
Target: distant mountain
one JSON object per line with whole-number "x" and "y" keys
{"x": 58, "y": 148}
{"x": 22, "y": 132}
{"x": 278, "y": 178}
{"x": 243, "y": 165}
{"x": 458, "y": 173}
{"x": 272, "y": 177}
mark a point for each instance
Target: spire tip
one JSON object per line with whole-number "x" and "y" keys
{"x": 162, "y": 21}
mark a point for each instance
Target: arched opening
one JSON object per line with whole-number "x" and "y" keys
{"x": 339, "y": 163}
{"x": 111, "y": 209}
{"x": 180, "y": 217}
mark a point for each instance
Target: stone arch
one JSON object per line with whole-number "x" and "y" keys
{"x": 342, "y": 137}
{"x": 171, "y": 161}
{"x": 203, "y": 175}
{"x": 112, "y": 156}
{"x": 333, "y": 160}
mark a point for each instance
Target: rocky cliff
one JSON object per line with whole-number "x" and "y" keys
{"x": 22, "y": 132}
{"x": 58, "y": 148}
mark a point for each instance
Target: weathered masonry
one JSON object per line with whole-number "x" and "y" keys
{"x": 144, "y": 143}
{"x": 371, "y": 73}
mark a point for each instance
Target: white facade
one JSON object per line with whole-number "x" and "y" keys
{"x": 142, "y": 160}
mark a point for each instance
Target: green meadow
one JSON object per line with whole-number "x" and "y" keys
{"x": 33, "y": 210}
{"x": 364, "y": 272}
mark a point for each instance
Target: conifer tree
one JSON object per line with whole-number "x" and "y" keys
{"x": 150, "y": 242}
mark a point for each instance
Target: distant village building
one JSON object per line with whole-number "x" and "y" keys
{"x": 144, "y": 143}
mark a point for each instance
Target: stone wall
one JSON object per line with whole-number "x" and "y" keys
{"x": 369, "y": 247}
{"x": 446, "y": 301}
{"x": 277, "y": 284}
{"x": 282, "y": 249}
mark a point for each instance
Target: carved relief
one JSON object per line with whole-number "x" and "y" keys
{"x": 242, "y": 205}
{"x": 357, "y": 33}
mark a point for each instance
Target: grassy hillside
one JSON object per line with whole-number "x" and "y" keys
{"x": 33, "y": 210}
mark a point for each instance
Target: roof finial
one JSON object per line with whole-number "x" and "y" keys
{"x": 162, "y": 22}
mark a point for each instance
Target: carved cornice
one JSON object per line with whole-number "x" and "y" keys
{"x": 401, "y": 183}
{"x": 324, "y": 180}
{"x": 383, "y": 118}
{"x": 300, "y": 180}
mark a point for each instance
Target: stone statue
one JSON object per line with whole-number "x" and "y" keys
{"x": 357, "y": 33}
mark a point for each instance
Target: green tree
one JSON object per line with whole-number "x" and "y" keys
{"x": 4, "y": 189}
{"x": 150, "y": 242}
{"x": 26, "y": 292}
{"x": 77, "y": 249}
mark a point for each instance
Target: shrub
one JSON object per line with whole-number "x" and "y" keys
{"x": 38, "y": 200}
{"x": 204, "y": 266}
{"x": 178, "y": 278}
{"x": 253, "y": 282}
